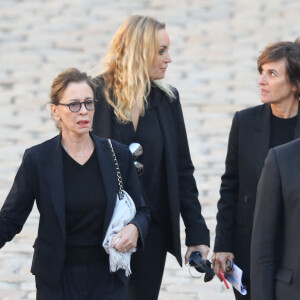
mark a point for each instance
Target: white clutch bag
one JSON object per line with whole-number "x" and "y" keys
{"x": 124, "y": 212}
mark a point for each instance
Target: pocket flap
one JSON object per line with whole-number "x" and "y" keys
{"x": 284, "y": 275}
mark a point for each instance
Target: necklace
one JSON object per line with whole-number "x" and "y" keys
{"x": 71, "y": 153}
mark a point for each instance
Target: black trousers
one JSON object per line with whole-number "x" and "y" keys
{"x": 239, "y": 296}
{"x": 85, "y": 282}
{"x": 148, "y": 265}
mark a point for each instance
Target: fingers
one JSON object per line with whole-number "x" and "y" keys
{"x": 127, "y": 239}
{"x": 187, "y": 255}
{"x": 119, "y": 245}
{"x": 213, "y": 259}
{"x": 219, "y": 262}
{"x": 217, "y": 269}
{"x": 115, "y": 240}
{"x": 204, "y": 250}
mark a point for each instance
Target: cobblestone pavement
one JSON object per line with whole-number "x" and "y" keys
{"x": 214, "y": 48}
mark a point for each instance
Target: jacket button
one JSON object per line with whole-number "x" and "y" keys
{"x": 246, "y": 199}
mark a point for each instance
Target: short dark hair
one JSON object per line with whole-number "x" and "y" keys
{"x": 290, "y": 51}
{"x": 61, "y": 82}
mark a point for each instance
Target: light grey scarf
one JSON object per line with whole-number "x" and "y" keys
{"x": 124, "y": 212}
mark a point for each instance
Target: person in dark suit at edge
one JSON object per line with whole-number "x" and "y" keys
{"x": 254, "y": 131}
{"x": 72, "y": 177}
{"x": 275, "y": 260}
{"x": 138, "y": 107}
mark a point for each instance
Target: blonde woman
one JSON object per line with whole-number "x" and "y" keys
{"x": 135, "y": 107}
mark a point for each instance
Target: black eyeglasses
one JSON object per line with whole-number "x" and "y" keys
{"x": 76, "y": 106}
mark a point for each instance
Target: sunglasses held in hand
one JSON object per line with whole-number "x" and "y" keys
{"x": 195, "y": 260}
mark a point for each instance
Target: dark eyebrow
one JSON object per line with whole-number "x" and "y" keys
{"x": 78, "y": 100}
{"x": 261, "y": 69}
{"x": 273, "y": 70}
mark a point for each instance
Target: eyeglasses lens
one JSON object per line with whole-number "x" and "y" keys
{"x": 76, "y": 106}
{"x": 89, "y": 105}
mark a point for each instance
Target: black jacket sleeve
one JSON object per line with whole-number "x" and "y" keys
{"x": 197, "y": 232}
{"x": 229, "y": 190}
{"x": 18, "y": 203}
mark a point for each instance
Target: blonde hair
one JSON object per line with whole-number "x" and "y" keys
{"x": 127, "y": 64}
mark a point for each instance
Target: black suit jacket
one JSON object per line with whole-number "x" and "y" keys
{"x": 40, "y": 178}
{"x": 275, "y": 259}
{"x": 248, "y": 146}
{"x": 182, "y": 189}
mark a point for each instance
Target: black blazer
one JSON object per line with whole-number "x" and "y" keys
{"x": 40, "y": 178}
{"x": 275, "y": 259}
{"x": 248, "y": 146}
{"x": 182, "y": 189}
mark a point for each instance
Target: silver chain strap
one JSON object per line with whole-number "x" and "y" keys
{"x": 119, "y": 177}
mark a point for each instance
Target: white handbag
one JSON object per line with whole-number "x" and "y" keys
{"x": 124, "y": 212}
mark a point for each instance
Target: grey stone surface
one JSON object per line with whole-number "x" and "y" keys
{"x": 214, "y": 46}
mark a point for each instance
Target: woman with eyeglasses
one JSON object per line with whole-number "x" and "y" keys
{"x": 72, "y": 178}
{"x": 137, "y": 107}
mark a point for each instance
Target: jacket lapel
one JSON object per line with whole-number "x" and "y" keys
{"x": 167, "y": 125}
{"x": 261, "y": 138}
{"x": 166, "y": 121}
{"x": 109, "y": 177}
{"x": 55, "y": 181}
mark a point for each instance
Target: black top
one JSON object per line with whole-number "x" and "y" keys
{"x": 282, "y": 130}
{"x": 85, "y": 203}
{"x": 150, "y": 136}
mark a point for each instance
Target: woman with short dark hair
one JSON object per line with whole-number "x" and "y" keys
{"x": 254, "y": 131}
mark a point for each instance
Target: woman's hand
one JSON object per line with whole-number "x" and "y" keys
{"x": 203, "y": 249}
{"x": 219, "y": 262}
{"x": 127, "y": 238}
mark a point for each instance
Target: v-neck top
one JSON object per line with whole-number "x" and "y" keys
{"x": 85, "y": 203}
{"x": 149, "y": 134}
{"x": 282, "y": 130}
